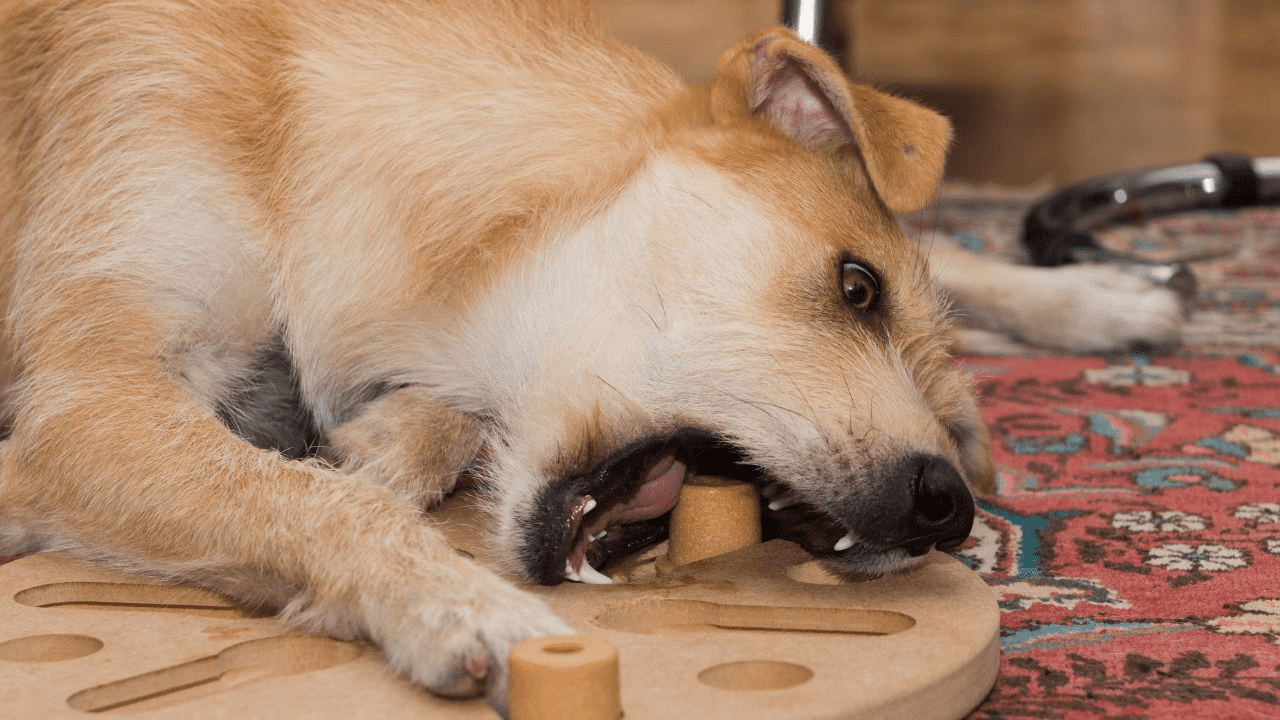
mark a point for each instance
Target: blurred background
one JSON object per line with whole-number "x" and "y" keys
{"x": 1040, "y": 91}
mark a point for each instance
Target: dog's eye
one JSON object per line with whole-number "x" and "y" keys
{"x": 859, "y": 286}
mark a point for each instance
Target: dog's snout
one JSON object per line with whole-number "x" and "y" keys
{"x": 926, "y": 505}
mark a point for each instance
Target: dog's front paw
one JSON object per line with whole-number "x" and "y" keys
{"x": 1097, "y": 308}
{"x": 454, "y": 641}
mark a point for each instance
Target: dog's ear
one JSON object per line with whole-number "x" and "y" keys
{"x": 802, "y": 93}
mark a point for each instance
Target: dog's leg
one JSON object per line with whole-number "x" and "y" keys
{"x": 408, "y": 441}
{"x": 1078, "y": 308}
{"x": 123, "y": 465}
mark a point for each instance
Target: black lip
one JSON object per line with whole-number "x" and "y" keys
{"x": 550, "y": 531}
{"x": 817, "y": 532}
{"x": 804, "y": 525}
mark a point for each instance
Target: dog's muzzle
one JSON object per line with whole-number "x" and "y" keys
{"x": 582, "y": 521}
{"x": 921, "y": 503}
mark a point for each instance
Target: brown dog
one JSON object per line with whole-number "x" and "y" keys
{"x": 236, "y": 232}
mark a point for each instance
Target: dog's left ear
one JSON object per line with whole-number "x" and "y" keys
{"x": 803, "y": 94}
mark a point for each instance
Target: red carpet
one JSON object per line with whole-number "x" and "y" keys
{"x": 1135, "y": 543}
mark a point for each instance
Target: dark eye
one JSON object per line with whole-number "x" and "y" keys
{"x": 859, "y": 286}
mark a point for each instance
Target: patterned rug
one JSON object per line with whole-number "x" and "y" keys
{"x": 1135, "y": 541}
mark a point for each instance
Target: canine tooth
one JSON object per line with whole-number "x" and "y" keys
{"x": 592, "y": 576}
{"x": 782, "y": 502}
{"x": 597, "y": 536}
{"x": 844, "y": 543}
{"x": 589, "y": 505}
{"x": 570, "y": 573}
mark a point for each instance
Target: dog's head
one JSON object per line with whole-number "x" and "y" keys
{"x": 747, "y": 301}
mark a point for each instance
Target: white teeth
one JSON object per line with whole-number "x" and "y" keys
{"x": 597, "y": 536}
{"x": 592, "y": 576}
{"x": 588, "y": 506}
{"x": 588, "y": 574}
{"x": 782, "y": 502}
{"x": 844, "y": 543}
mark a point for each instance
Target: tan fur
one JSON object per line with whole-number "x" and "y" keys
{"x": 469, "y": 224}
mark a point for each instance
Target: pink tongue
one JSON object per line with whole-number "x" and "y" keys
{"x": 657, "y": 495}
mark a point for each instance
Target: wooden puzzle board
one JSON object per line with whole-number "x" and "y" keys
{"x": 761, "y": 632}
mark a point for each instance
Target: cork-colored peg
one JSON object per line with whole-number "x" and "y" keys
{"x": 566, "y": 677}
{"x": 714, "y": 516}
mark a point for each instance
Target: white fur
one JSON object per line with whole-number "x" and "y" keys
{"x": 1078, "y": 308}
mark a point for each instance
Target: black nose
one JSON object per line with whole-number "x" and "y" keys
{"x": 925, "y": 503}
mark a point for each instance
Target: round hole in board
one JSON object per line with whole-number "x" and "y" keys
{"x": 48, "y": 648}
{"x": 562, "y": 648}
{"x": 755, "y": 675}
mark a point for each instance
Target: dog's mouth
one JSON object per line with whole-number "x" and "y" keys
{"x": 583, "y": 522}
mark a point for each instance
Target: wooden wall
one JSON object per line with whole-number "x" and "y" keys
{"x": 1038, "y": 89}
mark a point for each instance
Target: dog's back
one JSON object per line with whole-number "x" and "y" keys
{"x": 223, "y": 119}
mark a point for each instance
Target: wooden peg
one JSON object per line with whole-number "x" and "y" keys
{"x": 566, "y": 677}
{"x": 714, "y": 516}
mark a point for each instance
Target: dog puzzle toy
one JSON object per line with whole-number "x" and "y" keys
{"x": 760, "y": 631}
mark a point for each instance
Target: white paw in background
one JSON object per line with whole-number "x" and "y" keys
{"x": 1116, "y": 310}
{"x": 1085, "y": 309}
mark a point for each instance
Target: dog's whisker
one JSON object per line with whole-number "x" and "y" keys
{"x": 813, "y": 415}
{"x": 695, "y": 196}
{"x": 761, "y": 406}
{"x": 643, "y": 310}
{"x": 625, "y": 398}
{"x": 848, "y": 408}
